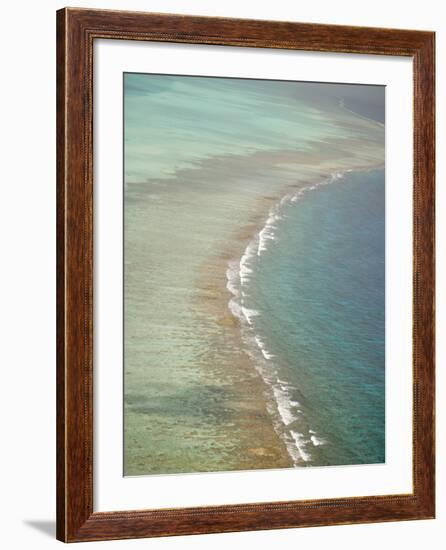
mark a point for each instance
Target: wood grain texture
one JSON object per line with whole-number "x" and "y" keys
{"x": 76, "y": 31}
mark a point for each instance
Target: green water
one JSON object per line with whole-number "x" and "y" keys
{"x": 172, "y": 123}
{"x": 205, "y": 159}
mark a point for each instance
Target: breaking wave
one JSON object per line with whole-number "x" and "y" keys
{"x": 285, "y": 410}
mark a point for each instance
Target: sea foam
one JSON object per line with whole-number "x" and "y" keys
{"x": 284, "y": 409}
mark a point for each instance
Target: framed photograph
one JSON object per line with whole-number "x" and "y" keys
{"x": 245, "y": 275}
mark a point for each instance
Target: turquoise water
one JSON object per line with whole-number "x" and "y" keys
{"x": 247, "y": 350}
{"x": 175, "y": 122}
{"x": 315, "y": 291}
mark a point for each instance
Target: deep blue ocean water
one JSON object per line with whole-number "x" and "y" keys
{"x": 319, "y": 290}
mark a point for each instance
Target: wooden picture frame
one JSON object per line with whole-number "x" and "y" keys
{"x": 76, "y": 31}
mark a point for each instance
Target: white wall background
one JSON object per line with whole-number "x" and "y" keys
{"x": 27, "y": 304}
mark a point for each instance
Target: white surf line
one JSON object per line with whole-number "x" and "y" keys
{"x": 238, "y": 275}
